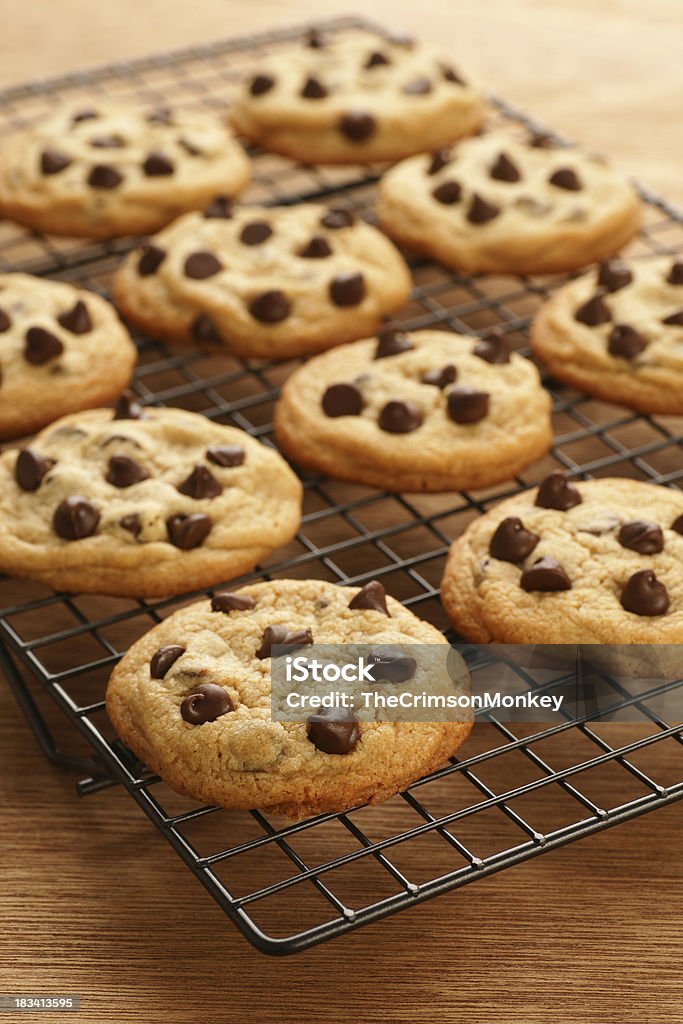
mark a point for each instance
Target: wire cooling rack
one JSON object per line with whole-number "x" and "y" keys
{"x": 514, "y": 794}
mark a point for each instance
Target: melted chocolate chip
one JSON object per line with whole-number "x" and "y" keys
{"x": 376, "y": 60}
{"x": 226, "y": 455}
{"x": 545, "y": 575}
{"x": 261, "y": 84}
{"x": 108, "y": 142}
{"x": 593, "y": 312}
{"x": 451, "y": 75}
{"x": 131, "y": 523}
{"x": 164, "y": 658}
{"x": 338, "y": 217}
{"x": 186, "y": 532}
{"x": 448, "y": 192}
{"x": 481, "y": 211}
{"x": 565, "y": 177}
{"x": 128, "y": 407}
{"x": 104, "y": 176}
{"x": 77, "y": 319}
{"x": 220, "y": 208}
{"x": 512, "y": 542}
{"x": 440, "y": 378}
{"x": 347, "y": 289}
{"x": 206, "y": 703}
{"x": 494, "y": 349}
{"x": 557, "y": 492}
{"x": 675, "y": 275}
{"x": 342, "y": 400}
{"x": 334, "y": 730}
{"x": 282, "y": 636}
{"x": 467, "y": 405}
{"x": 255, "y": 232}
{"x": 391, "y": 343}
{"x": 643, "y": 537}
{"x": 88, "y": 114}
{"x": 392, "y": 665}
{"x": 52, "y": 161}
{"x": 200, "y": 265}
{"x": 614, "y": 275}
{"x": 677, "y": 524}
{"x": 625, "y": 341}
{"x": 201, "y": 483}
{"x": 270, "y": 307}
{"x": 151, "y": 258}
{"x": 371, "y": 597}
{"x": 505, "y": 169}
{"x": 644, "y": 594}
{"x": 317, "y": 249}
{"x": 41, "y": 346}
{"x": 5, "y": 321}
{"x": 30, "y": 468}
{"x": 674, "y": 319}
{"x": 75, "y": 518}
{"x": 440, "y": 158}
{"x": 357, "y": 125}
{"x": 420, "y": 86}
{"x": 124, "y": 471}
{"x": 227, "y": 601}
{"x": 204, "y": 330}
{"x": 400, "y": 417}
{"x": 160, "y": 115}
{"x": 313, "y": 89}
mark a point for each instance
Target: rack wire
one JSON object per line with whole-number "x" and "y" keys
{"x": 514, "y": 794}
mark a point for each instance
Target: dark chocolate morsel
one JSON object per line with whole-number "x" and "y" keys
{"x": 391, "y": 342}
{"x": 164, "y": 658}
{"x": 5, "y": 321}
{"x": 371, "y": 597}
{"x": 565, "y": 177}
{"x": 512, "y": 542}
{"x": 347, "y": 288}
{"x": 77, "y": 319}
{"x": 206, "y": 703}
{"x": 221, "y": 208}
{"x": 52, "y": 161}
{"x": 376, "y": 59}
{"x": 481, "y": 211}
{"x": 255, "y": 232}
{"x": 342, "y": 400}
{"x": 557, "y": 492}
{"x": 260, "y": 84}
{"x": 131, "y": 523}
{"x": 505, "y": 169}
{"x": 448, "y": 192}
{"x": 614, "y": 275}
{"x": 420, "y": 86}
{"x": 625, "y": 341}
{"x": 400, "y": 417}
{"x": 440, "y": 378}
{"x": 675, "y": 275}
{"x": 338, "y": 217}
{"x": 641, "y": 536}
{"x": 391, "y": 665}
{"x": 187, "y": 532}
{"x": 204, "y": 330}
{"x": 128, "y": 407}
{"x": 75, "y": 518}
{"x": 593, "y": 312}
{"x": 41, "y": 346}
{"x": 545, "y": 575}
{"x": 313, "y": 89}
{"x": 228, "y": 601}
{"x": 677, "y": 524}
{"x": 467, "y": 405}
{"x": 494, "y": 349}
{"x": 440, "y": 158}
{"x": 226, "y": 455}
{"x": 108, "y": 142}
{"x": 315, "y": 39}
{"x": 201, "y": 483}
{"x": 644, "y": 594}
{"x": 334, "y": 730}
{"x": 270, "y": 307}
{"x": 274, "y": 636}
{"x": 451, "y": 75}
{"x": 357, "y": 125}
{"x": 124, "y": 471}
{"x": 104, "y": 176}
{"x": 160, "y": 115}
{"x": 200, "y": 265}
{"x": 87, "y": 114}
{"x": 317, "y": 249}
{"x": 30, "y": 468}
{"x": 151, "y": 258}
{"x": 674, "y": 319}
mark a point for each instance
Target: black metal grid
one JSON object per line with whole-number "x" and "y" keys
{"x": 288, "y": 886}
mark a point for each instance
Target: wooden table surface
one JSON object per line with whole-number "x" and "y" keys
{"x": 93, "y": 901}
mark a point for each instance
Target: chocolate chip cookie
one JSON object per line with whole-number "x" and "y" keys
{"x": 61, "y": 349}
{"x": 501, "y": 203}
{"x": 264, "y": 282}
{"x": 142, "y": 502}
{"x": 115, "y": 169}
{"x": 192, "y": 699}
{"x": 358, "y": 99}
{"x": 426, "y": 411}
{"x": 617, "y": 333}
{"x": 593, "y": 562}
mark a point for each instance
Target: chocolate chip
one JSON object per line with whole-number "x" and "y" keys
{"x": 108, "y": 142}
{"x": 151, "y": 258}
{"x": 675, "y": 275}
{"x": 371, "y": 597}
{"x": 644, "y": 594}
{"x": 228, "y": 601}
{"x": 557, "y": 492}
{"x": 160, "y": 115}
{"x": 512, "y": 542}
{"x": 317, "y": 249}
{"x": 357, "y": 125}
{"x": 221, "y": 208}
{"x": 451, "y": 75}
{"x": 75, "y": 518}
{"x": 467, "y": 405}
{"x": 128, "y": 407}
{"x": 347, "y": 289}
{"x": 342, "y": 400}
{"x": 204, "y": 330}
{"x": 674, "y": 319}
{"x": 41, "y": 346}
{"x": 400, "y": 417}
{"x": 614, "y": 275}
{"x": 392, "y": 665}
{"x": 338, "y": 217}
{"x": 315, "y": 39}
{"x": 481, "y": 211}
{"x": 417, "y": 87}
{"x": 545, "y": 575}
{"x": 440, "y": 378}
{"x": 104, "y": 176}
{"x": 625, "y": 341}
{"x": 593, "y": 312}
{"x": 260, "y": 84}
{"x": 334, "y": 730}
{"x": 124, "y": 472}
{"x": 440, "y": 158}
{"x": 187, "y": 532}
{"x": 206, "y": 703}
{"x": 313, "y": 89}
{"x": 448, "y": 192}
{"x": 164, "y": 658}
{"x": 131, "y": 523}
{"x": 282, "y": 636}
{"x": 505, "y": 169}
{"x": 641, "y": 536}
{"x": 30, "y": 468}
{"x": 494, "y": 349}
{"x": 255, "y": 232}
{"x": 226, "y": 455}
{"x": 190, "y": 147}
{"x": 376, "y": 59}
{"x": 391, "y": 343}
{"x": 5, "y": 321}
{"x": 200, "y": 265}
{"x": 77, "y": 319}
{"x": 677, "y": 524}
{"x": 52, "y": 161}
{"x": 201, "y": 483}
{"x": 565, "y": 177}
{"x": 270, "y": 307}
{"x": 88, "y": 114}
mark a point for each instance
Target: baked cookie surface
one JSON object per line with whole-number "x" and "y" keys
{"x": 500, "y": 203}
{"x": 114, "y": 169}
{"x": 61, "y": 349}
{"x": 142, "y": 502}
{"x": 356, "y": 100}
{"x": 593, "y": 562}
{"x": 222, "y": 747}
{"x": 617, "y": 333}
{"x": 422, "y": 411}
{"x": 263, "y": 282}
